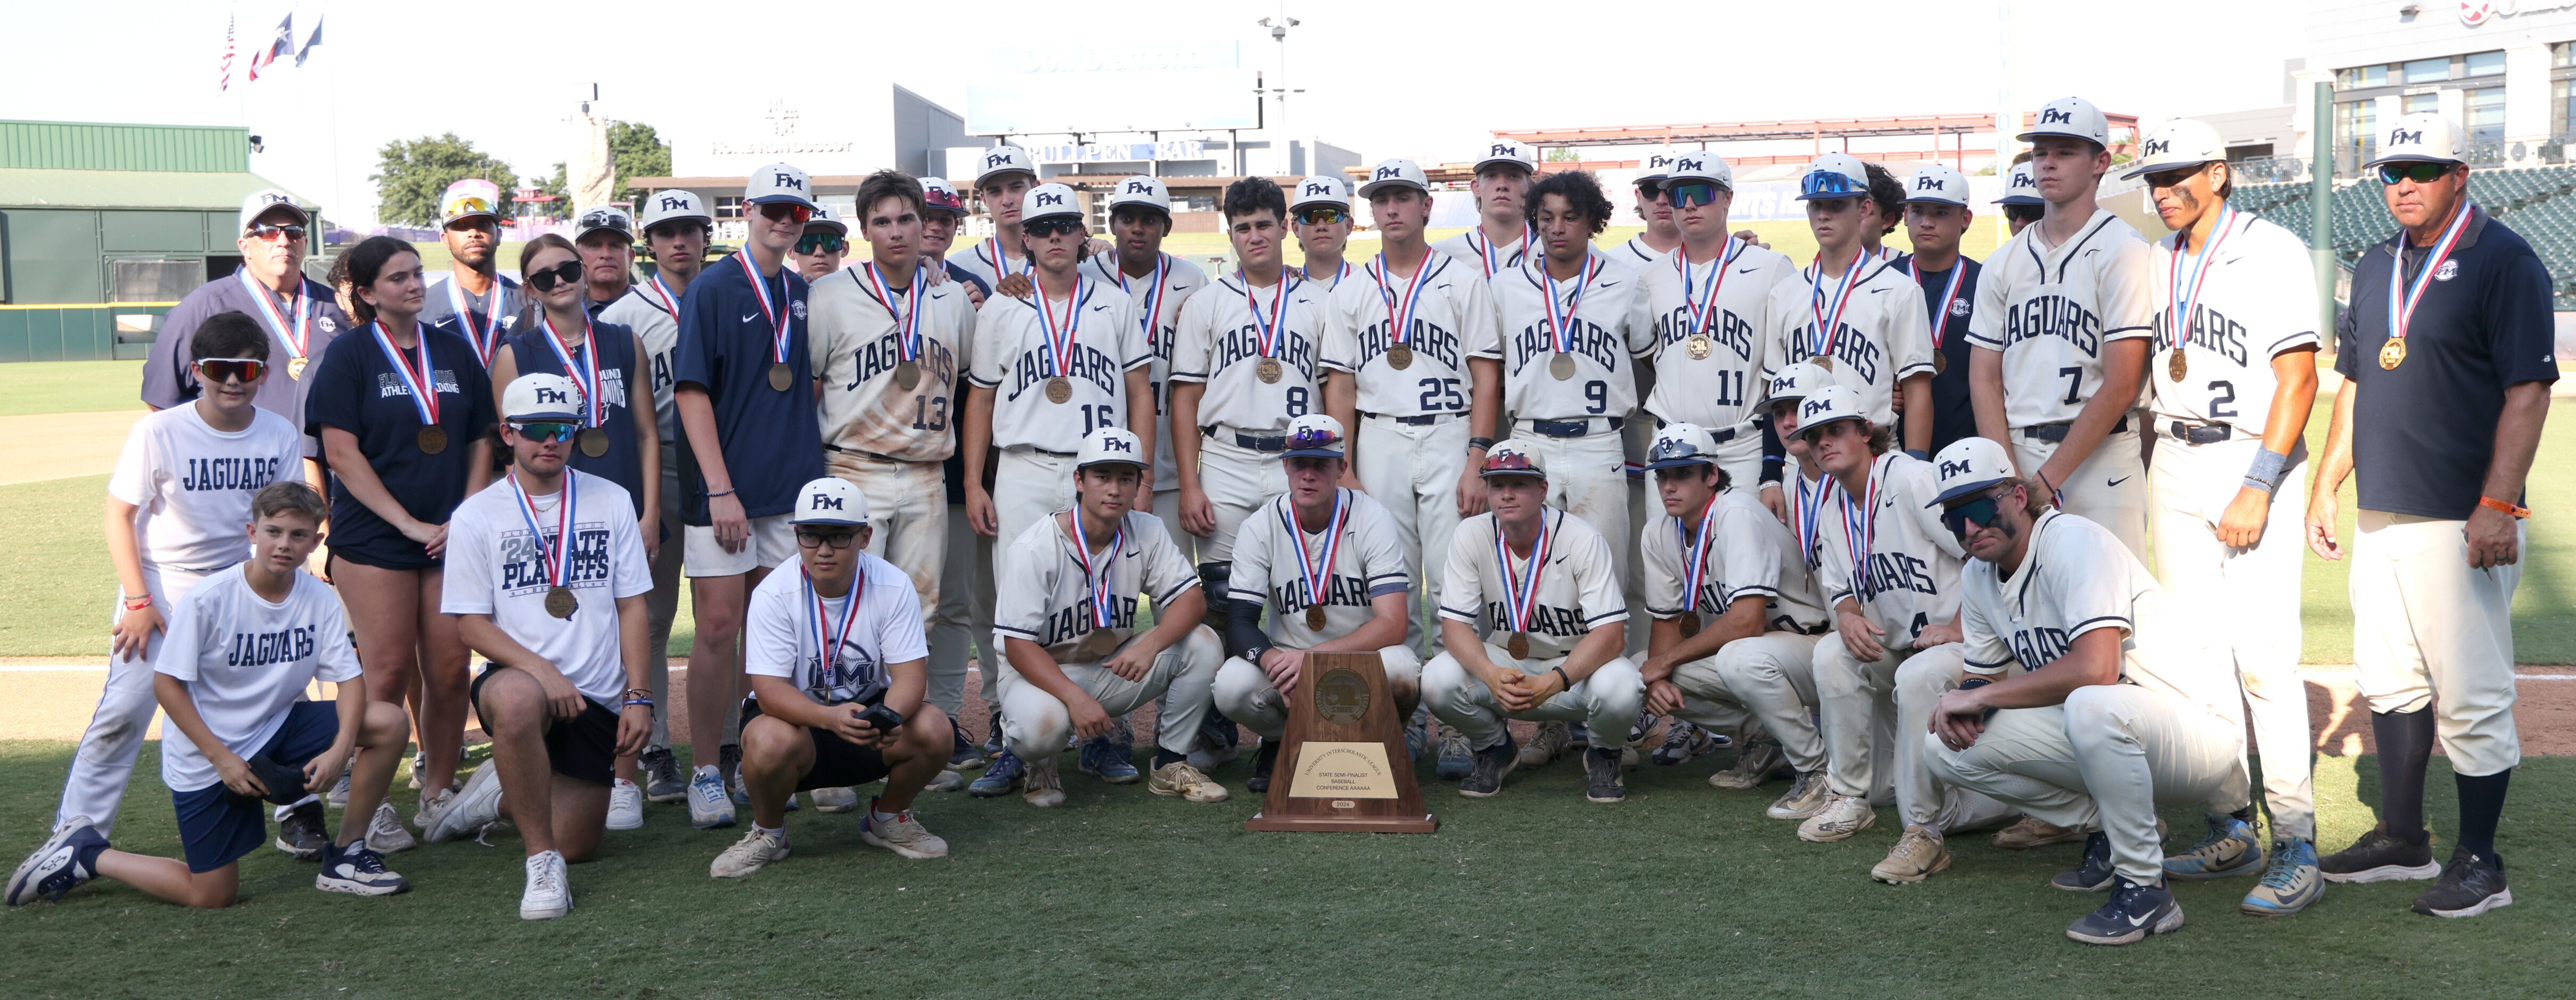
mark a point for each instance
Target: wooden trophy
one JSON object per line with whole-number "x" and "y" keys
{"x": 1343, "y": 765}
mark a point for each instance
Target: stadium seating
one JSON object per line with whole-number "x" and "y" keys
{"x": 2538, "y": 202}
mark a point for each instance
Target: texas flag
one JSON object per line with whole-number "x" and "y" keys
{"x": 282, "y": 44}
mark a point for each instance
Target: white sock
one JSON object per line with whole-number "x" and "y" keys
{"x": 706, "y": 769}
{"x": 882, "y": 817}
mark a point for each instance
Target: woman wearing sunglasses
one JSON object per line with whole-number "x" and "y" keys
{"x": 402, "y": 409}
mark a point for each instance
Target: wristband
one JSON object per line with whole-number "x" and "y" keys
{"x": 138, "y": 603}
{"x": 1561, "y": 677}
{"x": 632, "y": 702}
{"x": 2504, "y": 508}
{"x": 1973, "y": 682}
{"x": 1485, "y": 443}
{"x": 2267, "y": 471}
{"x": 719, "y": 493}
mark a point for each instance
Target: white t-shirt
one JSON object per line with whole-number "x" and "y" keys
{"x": 1012, "y": 359}
{"x": 1221, "y": 347}
{"x": 1160, "y": 318}
{"x": 191, "y": 484}
{"x": 1578, "y": 591}
{"x": 1611, "y": 330}
{"x": 1753, "y": 554}
{"x": 1883, "y": 336}
{"x": 2050, "y": 311}
{"x": 783, "y": 634}
{"x": 1720, "y": 390}
{"x": 496, "y": 566}
{"x": 1453, "y": 307}
{"x": 852, "y": 338}
{"x": 1913, "y": 578}
{"x": 2077, "y": 577}
{"x": 2252, "y": 307}
{"x": 1368, "y": 563}
{"x": 1042, "y": 593}
{"x": 246, "y": 661}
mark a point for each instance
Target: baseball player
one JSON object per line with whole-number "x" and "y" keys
{"x": 606, "y": 238}
{"x": 1325, "y": 562}
{"x": 2233, "y": 369}
{"x": 2103, "y": 720}
{"x": 2021, "y": 202}
{"x": 1709, "y": 302}
{"x": 1855, "y": 315}
{"x": 1886, "y": 211}
{"x": 826, "y": 241}
{"x": 1936, "y": 217}
{"x": 1663, "y": 230}
{"x": 1543, "y": 581}
{"x": 1714, "y": 550}
{"x": 2450, "y": 336}
{"x": 1069, "y": 585}
{"x": 485, "y": 303}
{"x": 1002, "y": 182}
{"x": 1502, "y": 239}
{"x": 1322, "y": 210}
{"x": 1891, "y": 573}
{"x": 2061, "y": 332}
{"x": 1140, "y": 216}
{"x": 836, "y": 654}
{"x": 965, "y": 608}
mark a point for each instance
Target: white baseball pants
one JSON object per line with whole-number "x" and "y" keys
{"x": 964, "y": 611}
{"x": 1588, "y": 477}
{"x": 1028, "y": 485}
{"x": 1872, "y": 713}
{"x": 1237, "y": 481}
{"x": 2427, "y": 627}
{"x": 1035, "y": 725}
{"x": 1413, "y": 470}
{"x": 1607, "y": 701}
{"x": 1244, "y": 693}
{"x": 2109, "y": 489}
{"x": 1772, "y": 676}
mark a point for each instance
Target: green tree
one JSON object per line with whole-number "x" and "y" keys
{"x": 638, "y": 152}
{"x": 410, "y": 175}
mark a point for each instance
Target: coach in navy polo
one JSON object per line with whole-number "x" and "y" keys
{"x": 299, "y": 313}
{"x": 2451, "y": 339}
{"x": 745, "y": 397}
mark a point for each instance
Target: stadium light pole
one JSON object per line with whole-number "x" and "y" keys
{"x": 1279, "y": 33}
{"x": 2321, "y": 204}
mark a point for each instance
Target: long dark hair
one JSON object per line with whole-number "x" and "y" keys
{"x": 364, "y": 263}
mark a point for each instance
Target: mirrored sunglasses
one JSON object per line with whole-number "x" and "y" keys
{"x": 1321, "y": 216}
{"x": 1981, "y": 512}
{"x": 1830, "y": 184}
{"x": 272, "y": 231}
{"x": 2419, "y": 171}
{"x": 1667, "y": 449}
{"x": 546, "y": 431}
{"x": 813, "y": 243}
{"x": 779, "y": 211}
{"x": 1686, "y": 194}
{"x": 221, "y": 370}
{"x": 1314, "y": 437}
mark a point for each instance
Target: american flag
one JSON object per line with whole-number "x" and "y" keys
{"x": 224, "y": 75}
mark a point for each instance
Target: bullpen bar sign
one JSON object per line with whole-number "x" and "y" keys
{"x": 1121, "y": 152}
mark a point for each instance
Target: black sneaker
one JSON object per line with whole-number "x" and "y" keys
{"x": 2472, "y": 884}
{"x": 2133, "y": 912}
{"x": 1601, "y": 767}
{"x": 962, "y": 753}
{"x": 2378, "y": 857}
{"x": 1491, "y": 764}
{"x": 2095, "y": 874}
{"x": 662, "y": 779}
{"x": 300, "y": 833}
{"x": 1263, "y": 761}
{"x": 729, "y": 770}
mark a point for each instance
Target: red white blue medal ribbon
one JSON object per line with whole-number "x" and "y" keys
{"x": 827, "y": 639}
{"x": 1949, "y": 294}
{"x": 487, "y": 339}
{"x": 552, "y": 558}
{"x": 1860, "y": 528}
{"x": 1001, "y": 264}
{"x": 1695, "y": 565}
{"x": 1399, "y": 312}
{"x": 907, "y": 321}
{"x": 1820, "y": 344}
{"x": 1267, "y": 326}
{"x": 2181, "y": 299}
{"x": 1060, "y": 344}
{"x": 769, "y": 307}
{"x": 294, "y": 336}
{"x": 1485, "y": 251}
{"x": 1520, "y": 594}
{"x": 670, "y": 302}
{"x": 424, "y": 393}
{"x": 1561, "y": 325}
{"x": 1699, "y": 310}
{"x": 1318, "y": 574}
{"x": 1810, "y": 515}
{"x": 1104, "y": 601}
{"x": 1152, "y": 321}
{"x": 584, "y": 368}
{"x": 2398, "y": 317}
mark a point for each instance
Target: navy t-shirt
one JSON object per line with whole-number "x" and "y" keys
{"x": 618, "y": 378}
{"x": 355, "y": 389}
{"x": 1953, "y": 417}
{"x": 955, "y": 467}
{"x": 168, "y": 380}
{"x": 2423, "y": 433}
{"x": 772, "y": 440}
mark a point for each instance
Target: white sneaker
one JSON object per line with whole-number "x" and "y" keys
{"x": 903, "y": 835}
{"x": 1546, "y": 746}
{"x": 835, "y": 800}
{"x": 709, "y": 806}
{"x": 339, "y": 797}
{"x": 549, "y": 894}
{"x": 755, "y": 850}
{"x": 385, "y": 833}
{"x": 1043, "y": 788}
{"x": 431, "y": 808}
{"x": 947, "y": 781}
{"x": 469, "y": 811}
{"x": 625, "y": 805}
{"x": 1841, "y": 817}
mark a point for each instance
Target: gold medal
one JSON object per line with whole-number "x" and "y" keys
{"x": 1690, "y": 623}
{"x": 907, "y": 375}
{"x": 560, "y": 602}
{"x": 1058, "y": 390}
{"x": 594, "y": 442}
{"x": 2178, "y": 365}
{"x": 1561, "y": 366}
{"x": 1268, "y": 371}
{"x": 1518, "y": 646}
{"x": 1314, "y": 619}
{"x": 780, "y": 377}
{"x": 1699, "y": 345}
{"x": 1400, "y": 357}
{"x": 2392, "y": 353}
{"x": 295, "y": 368}
{"x": 1822, "y": 361}
{"x": 1940, "y": 363}
{"x": 433, "y": 439}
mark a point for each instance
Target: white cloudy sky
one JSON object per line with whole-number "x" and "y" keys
{"x": 1383, "y": 79}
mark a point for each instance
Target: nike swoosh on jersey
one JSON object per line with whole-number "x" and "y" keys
{"x": 2120, "y": 480}
{"x": 751, "y": 317}
{"x": 1746, "y": 270}
{"x": 1607, "y": 284}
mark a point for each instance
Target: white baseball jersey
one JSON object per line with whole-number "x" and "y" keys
{"x": 2050, "y": 311}
{"x": 1578, "y": 589}
{"x": 1159, "y": 315}
{"x": 1044, "y": 591}
{"x": 2077, "y": 577}
{"x": 1636, "y": 253}
{"x": 655, "y": 319}
{"x": 1367, "y": 563}
{"x": 980, "y": 260}
{"x": 1610, "y": 329}
{"x": 1327, "y": 282}
{"x": 2251, "y": 306}
{"x": 1453, "y": 307}
{"x": 1012, "y": 358}
{"x": 497, "y": 566}
{"x": 191, "y": 484}
{"x": 1220, "y": 345}
{"x": 1913, "y": 576}
{"x": 788, "y": 626}
{"x": 853, "y": 336}
{"x": 1720, "y": 390}
{"x": 1472, "y": 249}
{"x": 246, "y": 662}
{"x": 1882, "y": 337}
{"x": 1751, "y": 554}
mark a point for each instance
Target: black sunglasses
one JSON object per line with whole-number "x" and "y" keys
{"x": 835, "y": 539}
{"x": 2419, "y": 171}
{"x": 561, "y": 274}
{"x": 1982, "y": 512}
{"x": 813, "y": 243}
{"x": 271, "y": 231}
{"x": 1054, "y": 224}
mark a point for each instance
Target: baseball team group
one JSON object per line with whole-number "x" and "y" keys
{"x": 2008, "y": 547}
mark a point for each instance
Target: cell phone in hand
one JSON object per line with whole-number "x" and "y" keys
{"x": 881, "y": 718}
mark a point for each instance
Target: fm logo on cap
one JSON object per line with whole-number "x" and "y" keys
{"x": 2159, "y": 147}
{"x": 545, "y": 395}
{"x": 1319, "y": 189}
{"x": 1949, "y": 469}
{"x": 823, "y": 500}
{"x": 272, "y": 198}
{"x": 1138, "y": 187}
{"x": 787, "y": 180}
{"x": 992, "y": 160}
{"x": 674, "y": 204}
{"x": 1813, "y": 406}
{"x": 1050, "y": 198}
{"x": 1659, "y": 160}
{"x": 2048, "y": 116}
{"x": 2401, "y": 137}
{"x": 1928, "y": 184}
{"x": 1115, "y": 443}
{"x": 1502, "y": 149}
{"x": 1386, "y": 173}
{"x": 2021, "y": 180}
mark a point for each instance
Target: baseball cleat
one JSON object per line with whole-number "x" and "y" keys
{"x": 478, "y": 806}
{"x": 1841, "y": 817}
{"x": 903, "y": 834}
{"x": 962, "y": 755}
{"x": 754, "y": 851}
{"x": 1191, "y": 784}
{"x": 709, "y": 807}
{"x": 1264, "y": 761}
{"x": 2290, "y": 883}
{"x": 300, "y": 834}
{"x": 385, "y": 831}
{"x": 67, "y": 859}
{"x": 357, "y": 870}
{"x": 1043, "y": 787}
{"x": 1457, "y": 759}
{"x": 1006, "y": 773}
{"x": 662, "y": 780}
{"x": 625, "y": 805}
{"x": 2095, "y": 873}
{"x": 1601, "y": 770}
{"x": 2472, "y": 884}
{"x": 1918, "y": 855}
{"x": 1543, "y": 749}
{"x": 1758, "y": 759}
{"x": 1805, "y": 797}
{"x": 1491, "y": 764}
{"x": 549, "y": 892}
{"x": 2378, "y": 857}
{"x": 835, "y": 800}
{"x": 1107, "y": 760}
{"x": 2032, "y": 831}
{"x": 1683, "y": 741}
{"x": 2228, "y": 849}
{"x": 2133, "y": 912}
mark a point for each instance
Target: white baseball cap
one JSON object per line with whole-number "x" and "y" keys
{"x": 1937, "y": 184}
{"x": 608, "y": 218}
{"x": 1047, "y": 200}
{"x": 1834, "y": 175}
{"x": 2176, "y": 144}
{"x": 825, "y": 218}
{"x": 1511, "y": 457}
{"x": 1969, "y": 464}
{"x": 830, "y": 500}
{"x": 2426, "y": 137}
{"x": 1315, "y": 435}
{"x": 261, "y": 201}
{"x": 1141, "y": 191}
{"x": 1700, "y": 165}
{"x": 1321, "y": 189}
{"x": 1829, "y": 404}
{"x": 938, "y": 195}
{"x": 2020, "y": 187}
{"x": 1654, "y": 164}
{"x": 2074, "y": 117}
{"x": 778, "y": 182}
{"x": 1796, "y": 381}
{"x": 467, "y": 198}
{"x": 1396, "y": 172}
{"x": 665, "y": 206}
{"x": 541, "y": 397}
{"x": 1003, "y": 160}
{"x": 1510, "y": 151}
{"x": 1112, "y": 446}
{"x": 1680, "y": 444}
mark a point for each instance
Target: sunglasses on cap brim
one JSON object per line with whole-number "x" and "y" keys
{"x": 2419, "y": 171}
{"x": 1311, "y": 438}
{"x": 1670, "y": 449}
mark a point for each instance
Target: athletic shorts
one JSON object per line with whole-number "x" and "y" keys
{"x": 838, "y": 763}
{"x": 772, "y": 542}
{"x": 217, "y": 827}
{"x": 583, "y": 748}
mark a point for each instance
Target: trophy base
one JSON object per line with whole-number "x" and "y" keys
{"x": 1351, "y": 824}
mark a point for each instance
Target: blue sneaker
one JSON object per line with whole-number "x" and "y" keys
{"x": 2229, "y": 849}
{"x": 67, "y": 859}
{"x": 2133, "y": 912}
{"x": 999, "y": 777}
{"x": 2290, "y": 882}
{"x": 1457, "y": 760}
{"x": 358, "y": 870}
{"x": 1108, "y": 760}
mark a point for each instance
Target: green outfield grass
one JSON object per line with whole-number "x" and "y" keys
{"x": 1680, "y": 891}
{"x": 70, "y": 387}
